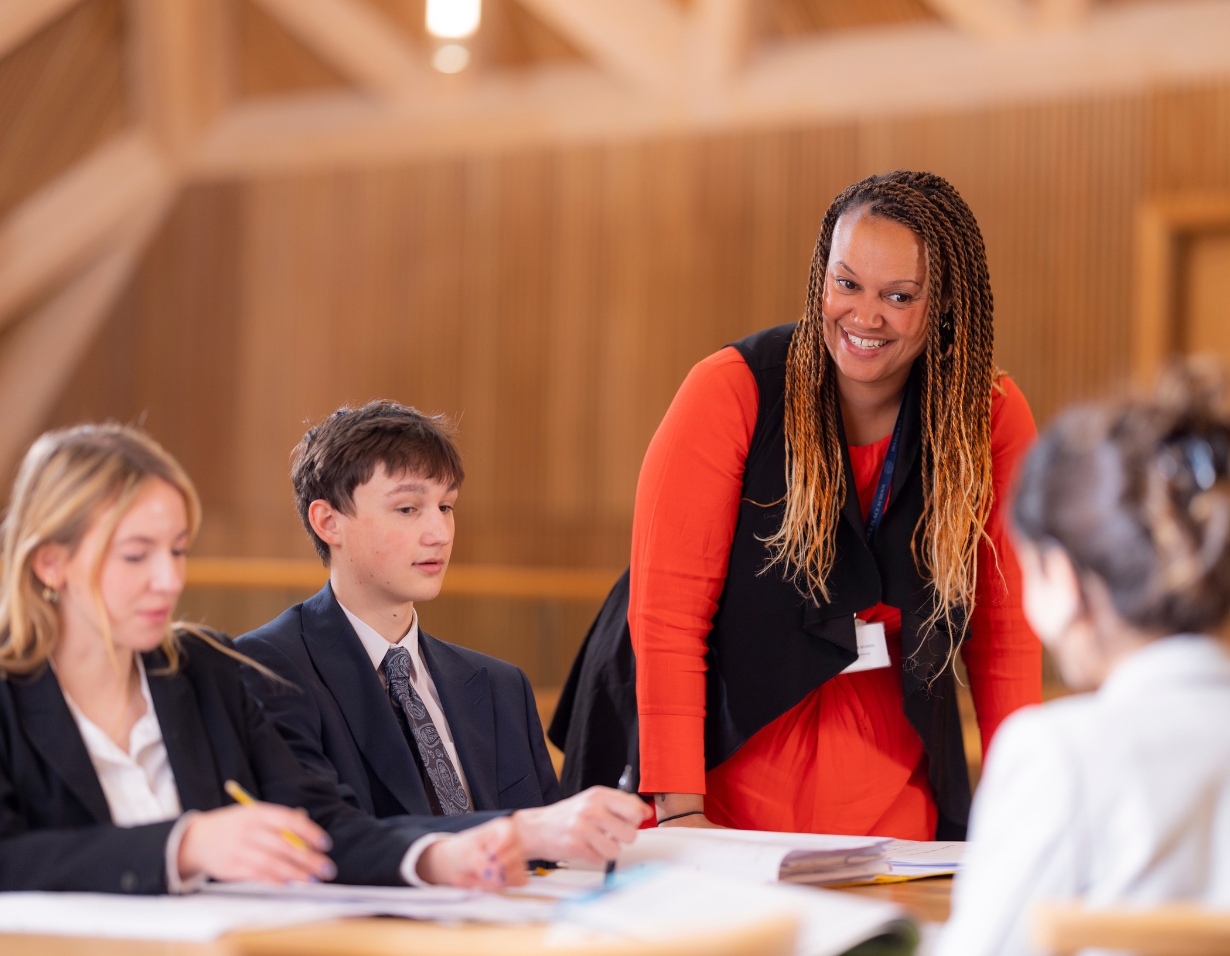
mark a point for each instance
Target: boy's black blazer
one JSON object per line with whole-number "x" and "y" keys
{"x": 55, "y": 827}
{"x": 341, "y": 725}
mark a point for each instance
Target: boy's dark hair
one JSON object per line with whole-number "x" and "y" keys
{"x": 342, "y": 452}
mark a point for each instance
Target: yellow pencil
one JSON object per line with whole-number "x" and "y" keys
{"x": 240, "y": 795}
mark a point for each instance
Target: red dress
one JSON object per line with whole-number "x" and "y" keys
{"x": 845, "y": 759}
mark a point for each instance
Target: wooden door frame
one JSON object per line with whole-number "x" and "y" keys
{"x": 1162, "y": 223}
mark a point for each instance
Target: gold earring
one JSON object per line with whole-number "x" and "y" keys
{"x": 51, "y": 595}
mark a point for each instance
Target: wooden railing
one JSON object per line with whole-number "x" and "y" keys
{"x": 476, "y": 580}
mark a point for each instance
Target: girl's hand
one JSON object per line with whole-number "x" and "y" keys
{"x": 487, "y": 857}
{"x": 246, "y": 843}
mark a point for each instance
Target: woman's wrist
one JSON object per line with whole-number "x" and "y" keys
{"x": 676, "y": 804}
{"x": 681, "y": 816}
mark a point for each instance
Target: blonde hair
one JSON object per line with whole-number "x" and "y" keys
{"x": 67, "y": 479}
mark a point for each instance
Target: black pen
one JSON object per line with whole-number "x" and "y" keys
{"x": 625, "y": 785}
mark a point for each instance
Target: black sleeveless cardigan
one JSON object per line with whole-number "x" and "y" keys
{"x": 771, "y": 645}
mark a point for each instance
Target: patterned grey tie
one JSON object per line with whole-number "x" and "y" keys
{"x": 440, "y": 770}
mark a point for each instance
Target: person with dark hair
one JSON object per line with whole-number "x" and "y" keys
{"x": 818, "y": 529}
{"x": 1120, "y": 796}
{"x": 401, "y": 722}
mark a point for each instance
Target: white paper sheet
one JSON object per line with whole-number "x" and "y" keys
{"x": 921, "y": 858}
{"x": 438, "y": 903}
{"x": 196, "y": 918}
{"x": 225, "y": 907}
{"x": 918, "y": 853}
{"x": 656, "y": 902}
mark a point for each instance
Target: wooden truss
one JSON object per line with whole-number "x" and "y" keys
{"x": 651, "y": 67}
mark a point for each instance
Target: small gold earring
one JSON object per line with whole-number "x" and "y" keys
{"x": 51, "y": 595}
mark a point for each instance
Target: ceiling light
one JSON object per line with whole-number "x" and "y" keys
{"x": 451, "y": 58}
{"x": 453, "y": 19}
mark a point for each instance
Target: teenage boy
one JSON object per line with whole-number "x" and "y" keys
{"x": 403, "y": 723}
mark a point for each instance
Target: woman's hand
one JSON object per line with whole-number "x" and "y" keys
{"x": 246, "y": 843}
{"x": 487, "y": 857}
{"x": 589, "y": 826}
{"x": 669, "y": 805}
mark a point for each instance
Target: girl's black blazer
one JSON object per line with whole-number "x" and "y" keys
{"x": 55, "y": 827}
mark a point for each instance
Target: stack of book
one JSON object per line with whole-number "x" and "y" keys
{"x": 763, "y": 856}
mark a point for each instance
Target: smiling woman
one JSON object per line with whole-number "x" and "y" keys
{"x": 818, "y": 531}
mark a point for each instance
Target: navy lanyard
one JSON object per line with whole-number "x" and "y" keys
{"x": 886, "y": 478}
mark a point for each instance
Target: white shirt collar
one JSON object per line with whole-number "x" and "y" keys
{"x": 376, "y": 646}
{"x": 1168, "y": 660}
{"x": 146, "y": 732}
{"x": 138, "y": 784}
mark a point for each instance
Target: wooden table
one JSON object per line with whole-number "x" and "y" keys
{"x": 925, "y": 900}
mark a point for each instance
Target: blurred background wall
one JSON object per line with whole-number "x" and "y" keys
{"x": 549, "y": 292}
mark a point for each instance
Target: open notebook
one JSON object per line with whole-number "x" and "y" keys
{"x": 762, "y": 856}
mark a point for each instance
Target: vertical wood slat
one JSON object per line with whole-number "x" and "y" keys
{"x": 61, "y": 96}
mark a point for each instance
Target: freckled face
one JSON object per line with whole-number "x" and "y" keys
{"x": 400, "y": 537}
{"x": 875, "y": 298}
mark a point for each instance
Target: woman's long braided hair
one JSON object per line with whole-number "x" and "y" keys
{"x": 958, "y": 370}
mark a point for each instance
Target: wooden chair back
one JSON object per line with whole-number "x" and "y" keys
{"x": 1061, "y": 929}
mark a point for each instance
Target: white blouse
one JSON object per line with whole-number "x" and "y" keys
{"x": 1117, "y": 797}
{"x": 137, "y": 782}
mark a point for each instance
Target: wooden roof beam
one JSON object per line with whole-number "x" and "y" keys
{"x": 994, "y": 19}
{"x": 53, "y": 232}
{"x": 1063, "y": 14}
{"x": 181, "y": 60}
{"x": 640, "y": 41}
{"x": 721, "y": 40}
{"x": 1003, "y": 19}
{"x": 924, "y": 68}
{"x": 21, "y": 19}
{"x": 356, "y": 40}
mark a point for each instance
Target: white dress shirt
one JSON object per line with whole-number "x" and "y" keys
{"x": 138, "y": 783}
{"x": 1117, "y": 797}
{"x": 420, "y": 678}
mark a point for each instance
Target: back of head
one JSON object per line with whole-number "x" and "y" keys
{"x": 344, "y": 450}
{"x": 1137, "y": 493}
{"x": 66, "y": 480}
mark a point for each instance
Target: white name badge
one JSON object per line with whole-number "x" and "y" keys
{"x": 872, "y": 648}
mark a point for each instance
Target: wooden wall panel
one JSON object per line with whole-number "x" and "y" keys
{"x": 61, "y": 95}
{"x": 552, "y": 300}
{"x": 167, "y": 357}
{"x": 270, "y": 60}
{"x": 1189, "y": 140}
{"x": 1054, "y": 189}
